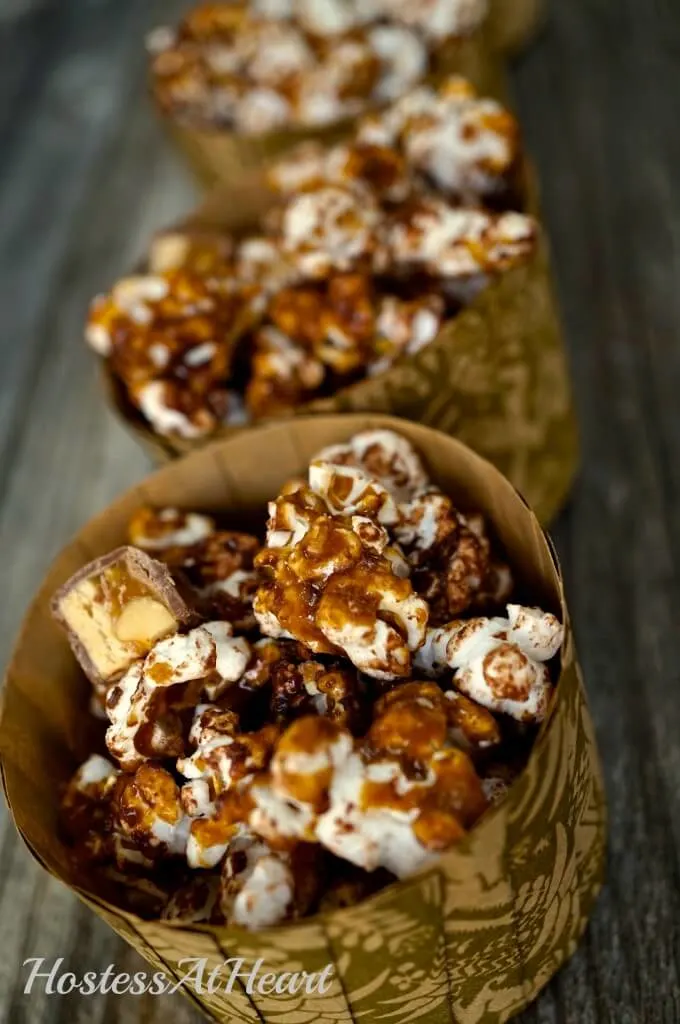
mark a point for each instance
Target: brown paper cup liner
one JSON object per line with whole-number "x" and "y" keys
{"x": 495, "y": 377}
{"x": 222, "y": 156}
{"x": 513, "y": 23}
{"x": 471, "y": 940}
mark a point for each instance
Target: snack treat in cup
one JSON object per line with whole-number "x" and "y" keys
{"x": 239, "y": 84}
{"x": 402, "y": 271}
{"x": 370, "y": 776}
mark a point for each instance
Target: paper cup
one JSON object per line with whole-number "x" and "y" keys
{"x": 219, "y": 155}
{"x": 472, "y": 939}
{"x": 513, "y": 23}
{"x": 495, "y": 377}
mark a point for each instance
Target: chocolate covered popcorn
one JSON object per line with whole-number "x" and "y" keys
{"x": 377, "y": 702}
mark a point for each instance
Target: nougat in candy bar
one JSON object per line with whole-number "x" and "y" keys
{"x": 115, "y": 609}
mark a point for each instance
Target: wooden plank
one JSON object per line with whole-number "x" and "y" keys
{"x": 586, "y": 106}
{"x": 599, "y": 98}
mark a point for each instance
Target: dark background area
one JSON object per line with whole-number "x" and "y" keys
{"x": 86, "y": 175}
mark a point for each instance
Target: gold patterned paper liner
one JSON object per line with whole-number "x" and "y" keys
{"x": 472, "y": 939}
{"x": 513, "y": 23}
{"x": 220, "y": 155}
{"x": 495, "y": 377}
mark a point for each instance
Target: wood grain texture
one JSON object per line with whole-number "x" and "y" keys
{"x": 85, "y": 176}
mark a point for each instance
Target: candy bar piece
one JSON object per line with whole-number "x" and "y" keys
{"x": 116, "y": 608}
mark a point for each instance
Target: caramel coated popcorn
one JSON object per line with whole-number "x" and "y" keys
{"x": 169, "y": 338}
{"x": 435, "y": 19}
{"x": 330, "y": 589}
{"x": 315, "y": 62}
{"x": 463, "y": 246}
{"x": 366, "y": 251}
{"x": 379, "y": 168}
{"x": 357, "y": 725}
{"x": 462, "y": 145}
{"x": 319, "y": 336}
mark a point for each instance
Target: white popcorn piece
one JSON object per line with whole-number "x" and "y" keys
{"x": 171, "y": 835}
{"x": 213, "y": 732}
{"x": 498, "y": 662}
{"x": 459, "y": 154}
{"x": 261, "y": 110}
{"x": 275, "y": 816}
{"x": 181, "y": 658}
{"x": 96, "y": 773}
{"x": 204, "y": 855}
{"x": 332, "y": 228}
{"x": 287, "y": 524}
{"x": 424, "y": 522}
{"x": 260, "y": 261}
{"x": 461, "y": 245}
{"x": 134, "y": 297}
{"x": 326, "y": 17}
{"x": 232, "y": 654}
{"x": 281, "y": 51}
{"x": 405, "y": 328}
{"x": 436, "y": 19}
{"x": 311, "y": 166}
{"x": 377, "y": 649}
{"x": 287, "y": 802}
{"x": 149, "y": 818}
{"x": 206, "y": 657}
{"x": 350, "y": 491}
{"x": 196, "y": 797}
{"x": 386, "y": 128}
{"x": 258, "y": 884}
{"x": 538, "y": 633}
{"x": 404, "y": 57}
{"x": 284, "y": 360}
{"x": 386, "y": 456}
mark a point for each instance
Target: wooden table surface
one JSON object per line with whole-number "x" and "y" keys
{"x": 85, "y": 175}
